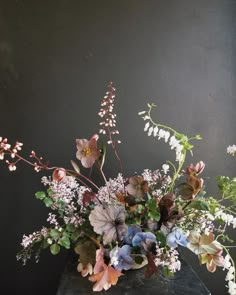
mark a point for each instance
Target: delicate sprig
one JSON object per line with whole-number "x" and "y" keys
{"x": 177, "y": 141}
{"x": 108, "y": 122}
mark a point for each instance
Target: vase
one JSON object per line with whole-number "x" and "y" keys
{"x": 133, "y": 282}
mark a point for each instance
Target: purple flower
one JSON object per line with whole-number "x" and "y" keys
{"x": 132, "y": 230}
{"x": 175, "y": 238}
{"x": 144, "y": 240}
{"x": 121, "y": 259}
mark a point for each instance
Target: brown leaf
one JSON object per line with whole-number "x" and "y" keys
{"x": 105, "y": 279}
{"x": 151, "y": 267}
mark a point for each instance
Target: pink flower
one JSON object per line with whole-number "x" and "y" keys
{"x": 197, "y": 169}
{"x": 87, "y": 151}
{"x": 212, "y": 260}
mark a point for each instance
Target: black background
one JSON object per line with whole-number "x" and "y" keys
{"x": 56, "y": 58}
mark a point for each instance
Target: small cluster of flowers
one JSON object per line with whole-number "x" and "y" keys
{"x": 228, "y": 219}
{"x": 231, "y": 149}
{"x": 168, "y": 258}
{"x": 107, "y": 113}
{"x": 5, "y": 148}
{"x": 230, "y": 277}
{"x": 161, "y": 133}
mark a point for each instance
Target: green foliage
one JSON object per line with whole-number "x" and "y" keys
{"x": 48, "y": 202}
{"x": 40, "y": 195}
{"x": 199, "y": 204}
{"x": 55, "y": 234}
{"x": 64, "y": 241}
{"x": 55, "y": 249}
{"x": 167, "y": 273}
{"x": 161, "y": 238}
{"x": 153, "y": 212}
{"x": 227, "y": 187}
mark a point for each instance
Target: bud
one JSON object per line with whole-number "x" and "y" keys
{"x": 58, "y": 174}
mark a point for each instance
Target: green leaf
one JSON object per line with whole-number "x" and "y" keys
{"x": 102, "y": 155}
{"x": 40, "y": 195}
{"x": 138, "y": 259}
{"x": 168, "y": 273}
{"x": 50, "y": 191}
{"x": 65, "y": 242}
{"x": 199, "y": 205}
{"x": 55, "y": 249}
{"x": 70, "y": 227}
{"x": 74, "y": 236}
{"x": 201, "y": 194}
{"x": 161, "y": 238}
{"x": 48, "y": 202}
{"x": 54, "y": 233}
{"x": 45, "y": 244}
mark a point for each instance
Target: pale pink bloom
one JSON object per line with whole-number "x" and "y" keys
{"x": 87, "y": 151}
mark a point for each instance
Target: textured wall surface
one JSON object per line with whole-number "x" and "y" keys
{"x": 56, "y": 58}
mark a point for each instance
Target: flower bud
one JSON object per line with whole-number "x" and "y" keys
{"x": 58, "y": 174}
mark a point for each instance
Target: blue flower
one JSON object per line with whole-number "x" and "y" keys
{"x": 144, "y": 240}
{"x": 132, "y": 230}
{"x": 175, "y": 238}
{"x": 120, "y": 258}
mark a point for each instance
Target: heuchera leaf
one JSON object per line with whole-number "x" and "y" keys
{"x": 86, "y": 252}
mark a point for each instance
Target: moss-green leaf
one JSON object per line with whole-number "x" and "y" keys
{"x": 65, "y": 242}
{"x": 55, "y": 249}
{"x": 40, "y": 195}
{"x": 54, "y": 233}
{"x": 48, "y": 202}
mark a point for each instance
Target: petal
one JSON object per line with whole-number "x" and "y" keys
{"x": 171, "y": 240}
{"x": 87, "y": 162}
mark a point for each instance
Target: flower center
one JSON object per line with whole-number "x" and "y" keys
{"x": 87, "y": 152}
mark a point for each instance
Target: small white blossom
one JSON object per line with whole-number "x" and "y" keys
{"x": 165, "y": 168}
{"x": 231, "y": 149}
{"x": 146, "y": 126}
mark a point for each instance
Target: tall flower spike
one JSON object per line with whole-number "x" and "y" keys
{"x": 108, "y": 124}
{"x": 106, "y": 112}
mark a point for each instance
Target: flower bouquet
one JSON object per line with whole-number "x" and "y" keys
{"x": 130, "y": 222}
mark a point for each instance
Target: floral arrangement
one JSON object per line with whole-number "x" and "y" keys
{"x": 130, "y": 222}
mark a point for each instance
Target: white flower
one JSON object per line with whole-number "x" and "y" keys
{"x": 230, "y": 274}
{"x": 150, "y": 130}
{"x": 227, "y": 262}
{"x": 234, "y": 222}
{"x": 146, "y": 126}
{"x": 165, "y": 168}
{"x": 232, "y": 288}
{"x": 155, "y": 131}
{"x": 167, "y": 135}
{"x": 231, "y": 149}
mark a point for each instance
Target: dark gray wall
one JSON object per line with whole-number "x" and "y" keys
{"x": 56, "y": 58}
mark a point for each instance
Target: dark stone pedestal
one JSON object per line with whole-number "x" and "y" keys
{"x": 184, "y": 282}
